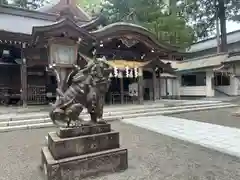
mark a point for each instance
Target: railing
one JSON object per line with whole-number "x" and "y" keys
{"x": 36, "y": 95}
{"x": 116, "y": 98}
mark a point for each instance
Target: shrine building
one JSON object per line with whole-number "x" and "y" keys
{"x": 142, "y": 66}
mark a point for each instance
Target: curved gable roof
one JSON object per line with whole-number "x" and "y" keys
{"x": 123, "y": 28}
{"x": 55, "y": 27}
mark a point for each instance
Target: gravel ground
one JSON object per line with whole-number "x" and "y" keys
{"x": 151, "y": 156}
{"x": 222, "y": 117}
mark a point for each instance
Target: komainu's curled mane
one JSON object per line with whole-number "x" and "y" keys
{"x": 87, "y": 90}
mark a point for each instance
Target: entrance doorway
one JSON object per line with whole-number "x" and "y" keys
{"x": 115, "y": 93}
{"x": 51, "y": 87}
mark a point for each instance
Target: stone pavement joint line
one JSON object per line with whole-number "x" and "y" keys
{"x": 219, "y": 138}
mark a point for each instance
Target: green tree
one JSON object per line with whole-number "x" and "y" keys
{"x": 91, "y": 6}
{"x": 168, "y": 25}
{"x": 203, "y": 15}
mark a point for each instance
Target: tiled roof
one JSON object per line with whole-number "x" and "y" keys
{"x": 232, "y": 59}
{"x": 198, "y": 63}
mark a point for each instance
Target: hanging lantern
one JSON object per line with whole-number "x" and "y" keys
{"x": 131, "y": 73}
{"x": 120, "y": 75}
{"x": 136, "y": 72}
{"x": 127, "y": 71}
{"x": 115, "y": 72}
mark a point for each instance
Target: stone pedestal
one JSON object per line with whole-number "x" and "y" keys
{"x": 75, "y": 153}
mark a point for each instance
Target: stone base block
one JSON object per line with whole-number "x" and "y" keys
{"x": 84, "y": 130}
{"x": 75, "y": 146}
{"x": 83, "y": 166}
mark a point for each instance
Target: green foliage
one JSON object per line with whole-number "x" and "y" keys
{"x": 91, "y": 6}
{"x": 202, "y": 14}
{"x": 154, "y": 15}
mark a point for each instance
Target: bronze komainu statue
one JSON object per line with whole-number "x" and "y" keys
{"x": 87, "y": 89}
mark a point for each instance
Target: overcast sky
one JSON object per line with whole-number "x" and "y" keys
{"x": 232, "y": 26}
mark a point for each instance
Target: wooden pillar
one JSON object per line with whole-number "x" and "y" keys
{"x": 166, "y": 82}
{"x": 154, "y": 85}
{"x": 121, "y": 88}
{"x": 23, "y": 77}
{"x": 178, "y": 85}
{"x": 159, "y": 85}
{"x": 140, "y": 86}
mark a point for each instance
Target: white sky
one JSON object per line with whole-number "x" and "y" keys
{"x": 232, "y": 26}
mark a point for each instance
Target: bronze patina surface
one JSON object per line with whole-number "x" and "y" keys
{"x": 86, "y": 90}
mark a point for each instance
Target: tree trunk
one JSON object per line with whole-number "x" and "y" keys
{"x": 222, "y": 17}
{"x": 217, "y": 27}
{"x": 172, "y": 7}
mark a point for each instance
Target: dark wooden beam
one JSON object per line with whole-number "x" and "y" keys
{"x": 154, "y": 85}
{"x": 140, "y": 87}
{"x": 23, "y": 77}
{"x": 121, "y": 90}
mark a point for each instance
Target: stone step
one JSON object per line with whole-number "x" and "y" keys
{"x": 22, "y": 110}
{"x": 34, "y": 124}
{"x": 6, "y": 118}
{"x": 167, "y": 112}
{"x": 43, "y": 119}
{"x": 12, "y": 113}
{"x": 36, "y": 115}
{"x": 146, "y": 110}
{"x": 46, "y": 108}
{"x": 28, "y": 126}
{"x": 40, "y": 124}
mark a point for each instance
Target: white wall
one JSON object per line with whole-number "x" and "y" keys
{"x": 209, "y": 84}
{"x": 232, "y": 89}
{"x": 236, "y": 80}
{"x": 206, "y": 90}
{"x": 193, "y": 91}
{"x": 173, "y": 87}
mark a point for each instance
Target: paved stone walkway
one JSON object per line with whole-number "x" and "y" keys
{"x": 217, "y": 137}
{"x": 151, "y": 156}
